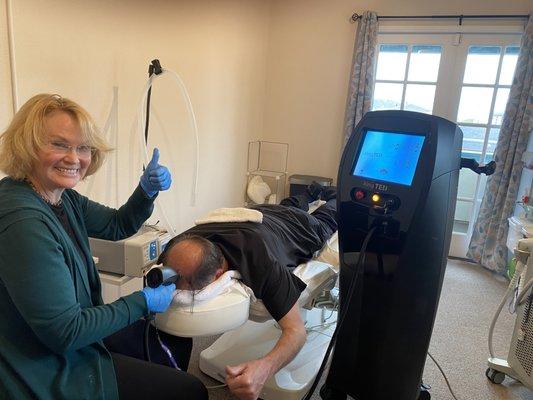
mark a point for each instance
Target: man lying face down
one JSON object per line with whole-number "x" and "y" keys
{"x": 264, "y": 254}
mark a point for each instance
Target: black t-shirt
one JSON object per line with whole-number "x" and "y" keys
{"x": 265, "y": 253}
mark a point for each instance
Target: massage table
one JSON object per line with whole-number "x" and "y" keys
{"x": 249, "y": 332}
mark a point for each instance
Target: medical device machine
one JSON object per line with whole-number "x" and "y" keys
{"x": 397, "y": 188}
{"x": 519, "y": 362}
{"x": 132, "y": 256}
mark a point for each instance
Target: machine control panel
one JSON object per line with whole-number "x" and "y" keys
{"x": 150, "y": 251}
{"x": 389, "y": 157}
{"x": 131, "y": 256}
{"x": 375, "y": 199}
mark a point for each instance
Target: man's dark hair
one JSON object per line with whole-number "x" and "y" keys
{"x": 210, "y": 260}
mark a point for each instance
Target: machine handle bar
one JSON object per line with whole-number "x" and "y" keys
{"x": 472, "y": 164}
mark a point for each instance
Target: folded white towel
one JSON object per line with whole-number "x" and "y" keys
{"x": 237, "y": 214}
{"x": 228, "y": 280}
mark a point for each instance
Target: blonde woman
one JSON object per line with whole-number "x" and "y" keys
{"x": 53, "y": 317}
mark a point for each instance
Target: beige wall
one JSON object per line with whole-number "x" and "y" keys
{"x": 81, "y": 49}
{"x": 309, "y": 61}
{"x": 255, "y": 69}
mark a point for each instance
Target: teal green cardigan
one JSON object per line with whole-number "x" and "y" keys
{"x": 52, "y": 318}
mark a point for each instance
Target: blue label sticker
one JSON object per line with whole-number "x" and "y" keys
{"x": 153, "y": 250}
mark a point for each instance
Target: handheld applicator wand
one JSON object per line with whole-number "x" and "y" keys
{"x": 161, "y": 275}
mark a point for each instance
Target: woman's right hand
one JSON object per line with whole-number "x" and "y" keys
{"x": 158, "y": 299}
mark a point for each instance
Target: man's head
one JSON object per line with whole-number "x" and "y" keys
{"x": 198, "y": 261}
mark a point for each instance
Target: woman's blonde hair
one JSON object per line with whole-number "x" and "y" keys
{"x": 26, "y": 135}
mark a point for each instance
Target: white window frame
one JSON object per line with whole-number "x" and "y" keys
{"x": 454, "y": 40}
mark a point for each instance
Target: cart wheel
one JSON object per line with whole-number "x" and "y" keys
{"x": 329, "y": 393}
{"x": 494, "y": 376}
{"x": 424, "y": 395}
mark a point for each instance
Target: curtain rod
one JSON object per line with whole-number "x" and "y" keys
{"x": 356, "y": 17}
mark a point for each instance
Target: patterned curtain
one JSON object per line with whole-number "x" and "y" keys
{"x": 487, "y": 245}
{"x": 362, "y": 75}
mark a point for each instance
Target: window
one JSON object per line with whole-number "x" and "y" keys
{"x": 485, "y": 89}
{"x": 406, "y": 77}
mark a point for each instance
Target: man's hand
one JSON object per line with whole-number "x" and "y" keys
{"x": 246, "y": 380}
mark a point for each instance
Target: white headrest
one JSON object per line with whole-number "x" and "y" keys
{"x": 185, "y": 298}
{"x": 219, "y": 307}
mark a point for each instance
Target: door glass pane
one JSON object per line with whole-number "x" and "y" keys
{"x": 463, "y": 212}
{"x": 499, "y": 106}
{"x": 508, "y": 65}
{"x": 473, "y": 138}
{"x": 424, "y": 63}
{"x": 491, "y": 145}
{"x": 474, "y": 106}
{"x": 467, "y": 183}
{"x": 473, "y": 132}
{"x": 392, "y": 60}
{"x": 387, "y": 96}
{"x": 482, "y": 187}
{"x": 482, "y": 64}
{"x": 419, "y": 98}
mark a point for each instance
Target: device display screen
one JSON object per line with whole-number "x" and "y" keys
{"x": 389, "y": 157}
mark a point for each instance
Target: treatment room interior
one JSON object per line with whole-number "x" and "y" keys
{"x": 269, "y": 70}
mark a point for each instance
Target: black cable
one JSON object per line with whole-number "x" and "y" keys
{"x": 147, "y": 322}
{"x": 147, "y": 123}
{"x": 154, "y": 68}
{"x": 381, "y": 268}
{"x": 444, "y": 375}
{"x": 355, "y": 277}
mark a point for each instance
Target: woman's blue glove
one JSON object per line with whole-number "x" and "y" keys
{"x": 159, "y": 298}
{"x": 155, "y": 177}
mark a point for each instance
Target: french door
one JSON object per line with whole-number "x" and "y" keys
{"x": 465, "y": 78}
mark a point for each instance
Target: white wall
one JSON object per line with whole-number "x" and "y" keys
{"x": 81, "y": 49}
{"x": 309, "y": 63}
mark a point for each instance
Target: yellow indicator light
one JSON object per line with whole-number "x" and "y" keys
{"x": 375, "y": 198}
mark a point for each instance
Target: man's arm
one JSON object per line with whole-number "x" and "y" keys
{"x": 247, "y": 379}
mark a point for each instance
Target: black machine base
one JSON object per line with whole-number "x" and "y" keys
{"x": 329, "y": 393}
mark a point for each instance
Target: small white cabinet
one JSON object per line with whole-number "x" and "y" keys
{"x": 519, "y": 228}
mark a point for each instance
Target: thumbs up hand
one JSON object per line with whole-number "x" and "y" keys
{"x": 155, "y": 177}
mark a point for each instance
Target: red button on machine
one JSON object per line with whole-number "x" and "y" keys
{"x": 359, "y": 195}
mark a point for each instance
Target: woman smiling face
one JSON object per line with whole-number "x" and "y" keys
{"x": 63, "y": 160}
